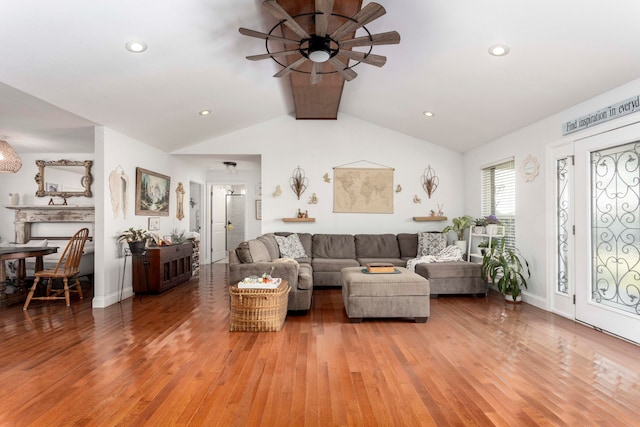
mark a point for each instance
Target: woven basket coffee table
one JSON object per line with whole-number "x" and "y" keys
{"x": 258, "y": 310}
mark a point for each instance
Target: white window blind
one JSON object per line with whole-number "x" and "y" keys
{"x": 499, "y": 197}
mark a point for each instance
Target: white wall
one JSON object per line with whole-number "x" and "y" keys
{"x": 23, "y": 182}
{"x": 534, "y": 215}
{"x": 317, "y": 146}
{"x": 114, "y": 149}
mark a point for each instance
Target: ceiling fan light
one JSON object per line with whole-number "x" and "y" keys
{"x": 9, "y": 160}
{"x": 319, "y": 56}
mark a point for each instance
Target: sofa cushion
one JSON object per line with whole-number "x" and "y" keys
{"x": 332, "y": 264}
{"x": 290, "y": 246}
{"x": 270, "y": 243}
{"x": 377, "y": 246}
{"x": 259, "y": 252}
{"x": 449, "y": 269}
{"x": 430, "y": 243}
{"x": 408, "y": 245}
{"x": 244, "y": 253}
{"x": 337, "y": 246}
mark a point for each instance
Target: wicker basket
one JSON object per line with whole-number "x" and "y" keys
{"x": 258, "y": 310}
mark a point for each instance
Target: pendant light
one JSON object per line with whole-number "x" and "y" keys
{"x": 9, "y": 161}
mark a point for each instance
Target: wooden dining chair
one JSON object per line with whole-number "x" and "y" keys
{"x": 66, "y": 269}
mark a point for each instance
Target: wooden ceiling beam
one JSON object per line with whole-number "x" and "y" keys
{"x": 320, "y": 100}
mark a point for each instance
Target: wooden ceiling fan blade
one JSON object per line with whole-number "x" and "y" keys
{"x": 323, "y": 13}
{"x": 279, "y": 13}
{"x": 391, "y": 37}
{"x": 347, "y": 73}
{"x": 377, "y": 60}
{"x": 290, "y": 68}
{"x": 259, "y": 35}
{"x": 315, "y": 77}
{"x": 367, "y": 14}
{"x": 272, "y": 54}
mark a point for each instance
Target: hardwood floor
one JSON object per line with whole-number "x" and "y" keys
{"x": 170, "y": 360}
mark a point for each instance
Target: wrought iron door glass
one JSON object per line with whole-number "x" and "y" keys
{"x": 562, "y": 220}
{"x": 615, "y": 227}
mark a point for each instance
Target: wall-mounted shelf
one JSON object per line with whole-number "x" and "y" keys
{"x": 429, "y": 218}
{"x": 299, "y": 219}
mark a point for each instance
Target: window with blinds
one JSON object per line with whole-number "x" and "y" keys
{"x": 499, "y": 197}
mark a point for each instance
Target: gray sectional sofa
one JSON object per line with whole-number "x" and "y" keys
{"x": 327, "y": 254}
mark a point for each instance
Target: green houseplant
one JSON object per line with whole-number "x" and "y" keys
{"x": 506, "y": 269}
{"x": 136, "y": 238}
{"x": 459, "y": 225}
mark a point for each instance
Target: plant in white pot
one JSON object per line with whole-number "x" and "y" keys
{"x": 459, "y": 225}
{"x": 506, "y": 269}
{"x": 136, "y": 238}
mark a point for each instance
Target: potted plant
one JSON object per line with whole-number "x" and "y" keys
{"x": 484, "y": 245}
{"x": 136, "y": 238}
{"x": 491, "y": 224}
{"x": 458, "y": 227}
{"x": 480, "y": 223}
{"x": 506, "y": 269}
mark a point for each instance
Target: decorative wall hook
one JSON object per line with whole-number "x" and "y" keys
{"x": 430, "y": 181}
{"x": 298, "y": 182}
{"x": 313, "y": 200}
{"x": 277, "y": 192}
{"x": 416, "y": 199}
{"x": 326, "y": 177}
{"x": 398, "y": 188}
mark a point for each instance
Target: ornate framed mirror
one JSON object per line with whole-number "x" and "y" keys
{"x": 64, "y": 178}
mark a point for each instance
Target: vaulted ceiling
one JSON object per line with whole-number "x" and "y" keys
{"x": 65, "y": 68}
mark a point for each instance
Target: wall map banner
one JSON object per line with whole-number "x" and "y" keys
{"x": 362, "y": 190}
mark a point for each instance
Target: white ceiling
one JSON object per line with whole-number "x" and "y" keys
{"x": 64, "y": 68}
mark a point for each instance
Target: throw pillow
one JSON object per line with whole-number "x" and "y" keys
{"x": 430, "y": 243}
{"x": 244, "y": 253}
{"x": 291, "y": 246}
{"x": 259, "y": 252}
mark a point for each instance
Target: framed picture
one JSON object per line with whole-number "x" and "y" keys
{"x": 154, "y": 223}
{"x": 52, "y": 187}
{"x": 152, "y": 193}
{"x": 259, "y": 209}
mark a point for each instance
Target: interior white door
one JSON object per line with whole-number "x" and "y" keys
{"x": 607, "y": 239}
{"x": 561, "y": 260}
{"x": 218, "y": 223}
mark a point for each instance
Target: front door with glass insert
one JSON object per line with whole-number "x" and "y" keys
{"x": 607, "y": 216}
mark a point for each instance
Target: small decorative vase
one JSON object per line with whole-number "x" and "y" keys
{"x": 478, "y": 229}
{"x": 14, "y": 198}
{"x": 491, "y": 228}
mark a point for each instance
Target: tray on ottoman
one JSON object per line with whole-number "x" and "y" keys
{"x": 258, "y": 310}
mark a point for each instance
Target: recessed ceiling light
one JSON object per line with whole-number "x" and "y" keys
{"x": 499, "y": 50}
{"x": 428, "y": 113}
{"x": 136, "y": 46}
{"x": 205, "y": 112}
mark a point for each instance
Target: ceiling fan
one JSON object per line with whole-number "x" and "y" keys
{"x": 320, "y": 47}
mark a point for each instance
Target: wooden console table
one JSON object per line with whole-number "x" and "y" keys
{"x": 162, "y": 268}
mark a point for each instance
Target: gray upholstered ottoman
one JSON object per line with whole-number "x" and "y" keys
{"x": 403, "y": 294}
{"x": 453, "y": 277}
